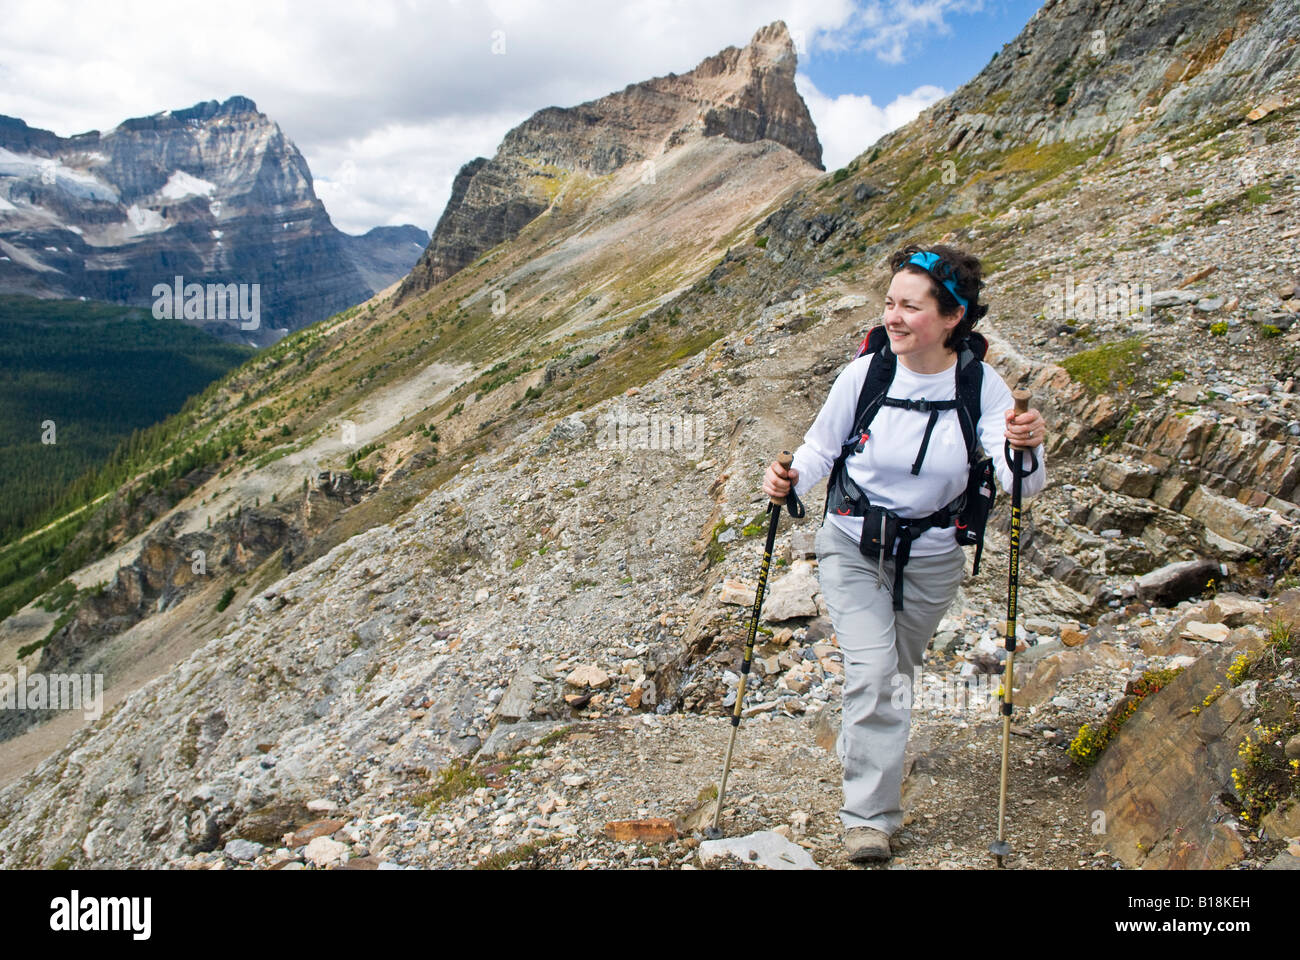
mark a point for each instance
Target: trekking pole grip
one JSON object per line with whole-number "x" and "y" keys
{"x": 785, "y": 459}
{"x": 1021, "y": 398}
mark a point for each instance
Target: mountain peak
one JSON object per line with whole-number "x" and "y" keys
{"x": 196, "y": 191}
{"x": 745, "y": 94}
{"x": 754, "y": 95}
{"x": 770, "y": 48}
{"x": 232, "y": 106}
{"x": 775, "y": 32}
{"x": 206, "y": 110}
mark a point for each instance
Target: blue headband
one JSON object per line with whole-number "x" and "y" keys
{"x": 927, "y": 261}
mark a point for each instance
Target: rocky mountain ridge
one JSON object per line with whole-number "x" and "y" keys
{"x": 1118, "y": 69}
{"x": 745, "y": 94}
{"x": 214, "y": 193}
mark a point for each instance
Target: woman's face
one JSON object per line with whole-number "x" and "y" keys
{"x": 912, "y": 317}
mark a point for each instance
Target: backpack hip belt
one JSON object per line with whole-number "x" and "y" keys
{"x": 882, "y": 528}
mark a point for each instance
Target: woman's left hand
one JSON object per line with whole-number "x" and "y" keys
{"x": 1027, "y": 430}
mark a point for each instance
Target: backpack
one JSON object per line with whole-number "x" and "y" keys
{"x": 968, "y": 514}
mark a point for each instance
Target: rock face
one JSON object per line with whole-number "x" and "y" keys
{"x": 171, "y": 565}
{"x": 1080, "y": 69}
{"x": 214, "y": 193}
{"x": 744, "y": 94}
{"x": 1159, "y": 782}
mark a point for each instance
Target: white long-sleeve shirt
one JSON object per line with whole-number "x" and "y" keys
{"x": 884, "y": 468}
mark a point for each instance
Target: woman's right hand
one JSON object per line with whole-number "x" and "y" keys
{"x": 778, "y": 480}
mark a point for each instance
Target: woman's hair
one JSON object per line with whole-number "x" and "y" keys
{"x": 963, "y": 269}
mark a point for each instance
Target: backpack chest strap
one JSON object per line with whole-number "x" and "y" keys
{"x": 922, "y": 406}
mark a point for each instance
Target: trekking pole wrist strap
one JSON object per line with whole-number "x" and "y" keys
{"x": 1022, "y": 472}
{"x": 793, "y": 505}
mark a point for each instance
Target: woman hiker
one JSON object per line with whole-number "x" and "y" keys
{"x": 884, "y": 627}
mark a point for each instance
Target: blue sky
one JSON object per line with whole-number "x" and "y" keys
{"x": 944, "y": 58}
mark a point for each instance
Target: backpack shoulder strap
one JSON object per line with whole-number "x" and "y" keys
{"x": 880, "y": 374}
{"x": 970, "y": 385}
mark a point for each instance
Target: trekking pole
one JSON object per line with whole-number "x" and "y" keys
{"x": 774, "y": 514}
{"x": 1001, "y": 848}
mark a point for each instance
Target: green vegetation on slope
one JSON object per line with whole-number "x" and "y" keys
{"x": 98, "y": 374}
{"x": 1105, "y": 367}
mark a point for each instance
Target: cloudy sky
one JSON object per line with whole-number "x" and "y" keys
{"x": 388, "y": 98}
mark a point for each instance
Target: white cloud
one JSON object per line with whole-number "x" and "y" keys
{"x": 396, "y": 173}
{"x": 388, "y": 98}
{"x": 848, "y": 124}
{"x": 891, "y": 30}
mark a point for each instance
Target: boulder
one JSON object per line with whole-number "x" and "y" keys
{"x": 765, "y": 848}
{"x": 243, "y": 850}
{"x": 1072, "y": 637}
{"x": 317, "y": 828}
{"x": 1041, "y": 680}
{"x": 794, "y": 595}
{"x": 588, "y": 675}
{"x": 819, "y": 629}
{"x": 508, "y": 739}
{"x": 1281, "y": 823}
{"x": 801, "y": 545}
{"x": 324, "y": 852}
{"x": 1236, "y": 610}
{"x": 1159, "y": 779}
{"x": 1130, "y": 479}
{"x": 1211, "y": 632}
{"x": 1232, "y": 520}
{"x": 1172, "y": 298}
{"x": 1173, "y": 583}
{"x": 737, "y": 593}
{"x": 517, "y": 703}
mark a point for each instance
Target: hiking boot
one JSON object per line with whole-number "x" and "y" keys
{"x": 867, "y": 843}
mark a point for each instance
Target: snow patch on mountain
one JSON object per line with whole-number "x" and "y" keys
{"x": 145, "y": 220}
{"x": 181, "y": 185}
{"x": 79, "y": 183}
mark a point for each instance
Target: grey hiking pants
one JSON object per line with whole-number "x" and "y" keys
{"x": 882, "y": 651}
